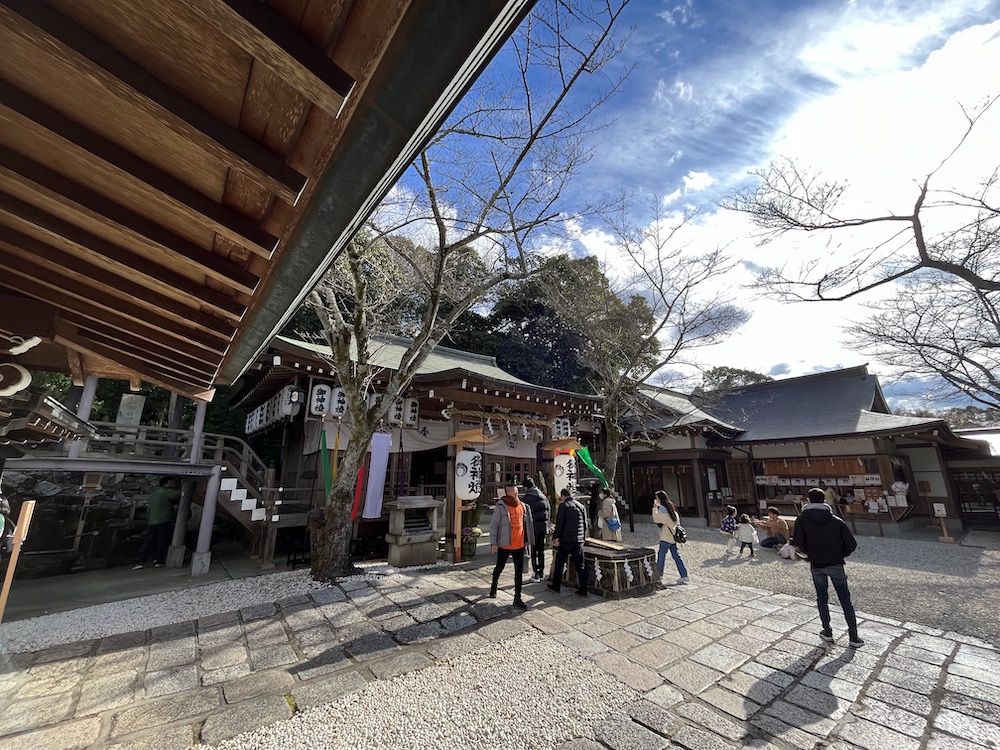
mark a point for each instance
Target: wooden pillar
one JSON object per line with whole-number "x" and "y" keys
{"x": 452, "y": 507}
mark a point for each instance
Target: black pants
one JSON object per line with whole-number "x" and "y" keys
{"x": 538, "y": 555}
{"x": 518, "y": 556}
{"x": 576, "y": 552}
{"x": 157, "y": 541}
{"x": 777, "y": 540}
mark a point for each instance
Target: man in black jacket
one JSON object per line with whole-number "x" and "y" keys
{"x": 540, "y": 515}
{"x": 567, "y": 539}
{"x": 827, "y": 541}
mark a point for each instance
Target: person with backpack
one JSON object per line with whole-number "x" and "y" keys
{"x": 541, "y": 514}
{"x": 510, "y": 535}
{"x": 567, "y": 539}
{"x": 666, "y": 517}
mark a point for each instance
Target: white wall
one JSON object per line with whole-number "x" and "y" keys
{"x": 926, "y": 465}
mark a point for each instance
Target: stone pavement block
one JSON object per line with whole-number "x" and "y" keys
{"x": 449, "y": 648}
{"x": 696, "y": 738}
{"x": 913, "y": 666}
{"x": 658, "y": 653}
{"x": 897, "y": 696}
{"x": 315, "y": 635}
{"x": 105, "y": 691}
{"x": 173, "y": 630}
{"x": 172, "y": 653}
{"x": 645, "y": 630}
{"x": 939, "y": 741}
{"x": 328, "y": 595}
{"x": 709, "y": 607}
{"x": 786, "y": 662}
{"x": 76, "y": 735}
{"x": 856, "y": 674}
{"x": 713, "y": 721}
{"x": 295, "y": 600}
{"x": 797, "y": 716}
{"x": 66, "y": 652}
{"x": 978, "y": 656}
{"x": 501, "y": 630}
{"x": 36, "y": 712}
{"x": 653, "y": 716}
{"x": 715, "y": 632}
{"x": 622, "y": 641}
{"x": 972, "y": 706}
{"x": 978, "y": 674}
{"x": 768, "y": 674}
{"x": 758, "y": 690}
{"x": 222, "y": 725}
{"x": 40, "y": 687}
{"x": 260, "y": 633}
{"x": 117, "y": 661}
{"x": 258, "y": 611}
{"x": 217, "y": 657}
{"x": 919, "y": 654}
{"x": 163, "y": 711}
{"x": 422, "y": 633}
{"x": 930, "y": 643}
{"x": 665, "y": 695}
{"x": 173, "y": 680}
{"x": 621, "y": 617}
{"x": 385, "y": 611}
{"x": 333, "y": 658}
{"x": 408, "y": 661}
{"x": 323, "y": 690}
{"x": 780, "y": 730}
{"x": 972, "y": 688}
{"x": 462, "y": 620}
{"x": 254, "y": 685}
{"x": 222, "y": 618}
{"x": 595, "y": 628}
{"x": 719, "y": 657}
{"x": 634, "y": 675}
{"x": 121, "y": 642}
{"x": 217, "y": 676}
{"x": 876, "y": 737}
{"x": 818, "y": 701}
{"x": 57, "y": 669}
{"x": 731, "y": 703}
{"x": 886, "y": 714}
{"x": 906, "y": 680}
{"x": 304, "y": 618}
{"x": 620, "y": 733}
{"x": 690, "y": 677}
{"x": 849, "y": 691}
{"x": 962, "y": 725}
{"x": 340, "y": 614}
{"x": 776, "y": 625}
{"x": 174, "y": 738}
{"x": 426, "y": 612}
{"x": 268, "y": 657}
{"x": 221, "y": 635}
{"x": 687, "y": 638}
{"x": 397, "y": 623}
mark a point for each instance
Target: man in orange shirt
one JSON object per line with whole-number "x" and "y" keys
{"x": 510, "y": 536}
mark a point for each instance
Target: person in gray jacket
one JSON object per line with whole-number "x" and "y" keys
{"x": 541, "y": 515}
{"x": 510, "y": 535}
{"x": 567, "y": 539}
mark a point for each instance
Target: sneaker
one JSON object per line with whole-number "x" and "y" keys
{"x": 140, "y": 566}
{"x": 157, "y": 565}
{"x": 826, "y": 634}
{"x": 855, "y": 642}
{"x": 520, "y": 604}
{"x": 801, "y": 555}
{"x": 683, "y": 580}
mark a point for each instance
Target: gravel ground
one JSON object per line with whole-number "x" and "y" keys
{"x": 946, "y": 586}
{"x": 457, "y": 705}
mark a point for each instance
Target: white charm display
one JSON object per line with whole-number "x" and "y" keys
{"x": 468, "y": 474}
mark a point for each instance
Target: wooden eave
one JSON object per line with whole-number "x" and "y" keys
{"x": 176, "y": 175}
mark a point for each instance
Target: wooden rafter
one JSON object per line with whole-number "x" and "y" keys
{"x": 142, "y": 90}
{"x": 272, "y": 41}
{"x": 156, "y": 360}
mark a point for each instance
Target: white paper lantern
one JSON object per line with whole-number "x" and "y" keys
{"x": 321, "y": 399}
{"x": 411, "y": 412}
{"x": 468, "y": 474}
{"x": 564, "y": 468}
{"x": 396, "y": 412}
{"x": 338, "y": 403}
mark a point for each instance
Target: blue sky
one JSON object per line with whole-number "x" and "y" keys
{"x": 863, "y": 89}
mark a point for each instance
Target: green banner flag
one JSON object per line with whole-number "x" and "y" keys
{"x": 327, "y": 477}
{"x": 584, "y": 455}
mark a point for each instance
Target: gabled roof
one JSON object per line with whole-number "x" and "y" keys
{"x": 677, "y": 410}
{"x": 830, "y": 404}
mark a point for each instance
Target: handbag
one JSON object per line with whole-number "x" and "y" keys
{"x": 680, "y": 535}
{"x": 614, "y": 523}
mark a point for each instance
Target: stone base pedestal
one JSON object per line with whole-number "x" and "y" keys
{"x": 201, "y": 563}
{"x": 175, "y": 556}
{"x": 409, "y": 555}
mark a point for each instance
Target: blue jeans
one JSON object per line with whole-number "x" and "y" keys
{"x": 661, "y": 558}
{"x": 837, "y": 574}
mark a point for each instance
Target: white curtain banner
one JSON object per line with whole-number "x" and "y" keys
{"x": 380, "y": 448}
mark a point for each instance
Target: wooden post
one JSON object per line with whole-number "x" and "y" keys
{"x": 945, "y": 536}
{"x": 20, "y": 534}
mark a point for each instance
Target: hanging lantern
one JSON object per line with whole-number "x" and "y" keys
{"x": 468, "y": 474}
{"x": 321, "y": 400}
{"x": 338, "y": 402}
{"x": 396, "y": 412}
{"x": 411, "y": 412}
{"x": 565, "y": 473}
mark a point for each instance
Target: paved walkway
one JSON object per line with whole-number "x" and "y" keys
{"x": 710, "y": 667}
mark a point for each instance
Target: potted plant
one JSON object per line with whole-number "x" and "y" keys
{"x": 470, "y": 537}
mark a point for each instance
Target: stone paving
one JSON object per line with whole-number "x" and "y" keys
{"x": 717, "y": 667}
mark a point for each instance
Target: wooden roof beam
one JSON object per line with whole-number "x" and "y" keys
{"x": 188, "y": 201}
{"x": 162, "y": 278}
{"x": 43, "y": 260}
{"x": 26, "y": 172}
{"x": 158, "y": 357}
{"x": 139, "y": 88}
{"x": 275, "y": 43}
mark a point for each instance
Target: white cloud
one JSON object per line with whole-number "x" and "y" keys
{"x": 695, "y": 181}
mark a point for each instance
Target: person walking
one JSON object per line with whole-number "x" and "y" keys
{"x": 541, "y": 514}
{"x": 746, "y": 535}
{"x": 159, "y": 522}
{"x": 611, "y": 524}
{"x": 828, "y": 542}
{"x": 567, "y": 540}
{"x": 510, "y": 534}
{"x": 728, "y": 528}
{"x": 665, "y": 516}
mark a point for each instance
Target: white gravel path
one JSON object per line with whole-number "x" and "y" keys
{"x": 530, "y": 697}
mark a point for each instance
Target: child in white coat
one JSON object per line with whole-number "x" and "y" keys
{"x": 746, "y": 535}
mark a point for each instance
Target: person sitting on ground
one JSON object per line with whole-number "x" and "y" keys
{"x": 777, "y": 529}
{"x": 541, "y": 514}
{"x": 567, "y": 540}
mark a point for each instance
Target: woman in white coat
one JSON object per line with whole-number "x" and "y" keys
{"x": 665, "y": 516}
